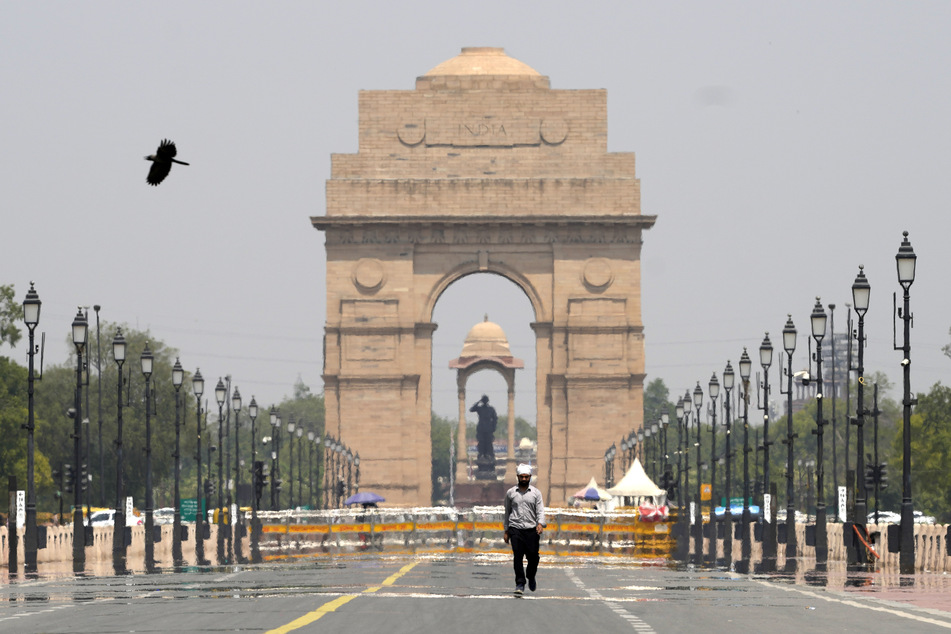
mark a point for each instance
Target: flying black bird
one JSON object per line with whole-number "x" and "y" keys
{"x": 162, "y": 162}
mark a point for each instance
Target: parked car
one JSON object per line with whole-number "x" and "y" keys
{"x": 884, "y": 517}
{"x": 165, "y": 515}
{"x": 736, "y": 512}
{"x": 921, "y": 518}
{"x": 106, "y": 517}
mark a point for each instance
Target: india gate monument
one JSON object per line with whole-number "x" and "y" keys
{"x": 482, "y": 168}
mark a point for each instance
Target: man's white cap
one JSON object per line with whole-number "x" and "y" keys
{"x": 524, "y": 469}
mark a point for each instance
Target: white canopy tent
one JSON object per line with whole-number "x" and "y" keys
{"x": 636, "y": 487}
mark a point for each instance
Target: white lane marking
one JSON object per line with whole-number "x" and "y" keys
{"x": 634, "y": 621}
{"x": 857, "y": 604}
{"x": 14, "y": 617}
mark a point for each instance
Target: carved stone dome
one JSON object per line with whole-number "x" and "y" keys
{"x": 482, "y": 68}
{"x": 486, "y": 339}
{"x": 482, "y": 60}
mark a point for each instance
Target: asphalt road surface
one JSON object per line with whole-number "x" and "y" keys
{"x": 458, "y": 593}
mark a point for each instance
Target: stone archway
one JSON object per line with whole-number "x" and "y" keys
{"x": 482, "y": 168}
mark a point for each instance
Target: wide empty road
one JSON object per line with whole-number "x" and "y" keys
{"x": 461, "y": 593}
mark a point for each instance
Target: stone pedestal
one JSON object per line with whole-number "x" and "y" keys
{"x": 469, "y": 494}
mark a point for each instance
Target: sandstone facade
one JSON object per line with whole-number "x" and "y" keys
{"x": 482, "y": 168}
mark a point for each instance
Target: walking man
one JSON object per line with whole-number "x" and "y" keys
{"x": 523, "y": 522}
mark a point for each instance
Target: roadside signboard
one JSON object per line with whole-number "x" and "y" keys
{"x": 189, "y": 508}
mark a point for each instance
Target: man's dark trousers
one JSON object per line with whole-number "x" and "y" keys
{"x": 524, "y": 544}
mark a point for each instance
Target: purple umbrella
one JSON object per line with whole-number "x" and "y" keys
{"x": 364, "y": 497}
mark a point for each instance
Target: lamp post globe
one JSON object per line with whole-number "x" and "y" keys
{"x": 906, "y": 260}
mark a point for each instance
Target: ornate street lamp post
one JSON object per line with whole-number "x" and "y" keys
{"x": 300, "y": 464}
{"x": 769, "y": 512}
{"x": 255, "y": 500}
{"x": 198, "y": 387}
{"x": 178, "y": 377}
{"x": 861, "y": 291}
{"x": 698, "y": 529}
{"x": 235, "y": 528}
{"x": 276, "y": 455}
{"x": 146, "y": 362}
{"x": 906, "y": 259}
{"x": 220, "y": 393}
{"x": 746, "y": 548}
{"x": 818, "y": 321}
{"x": 328, "y": 472}
{"x": 31, "y": 316}
{"x": 273, "y": 420}
{"x": 118, "y": 530}
{"x": 291, "y": 426}
{"x": 679, "y": 411}
{"x": 310, "y": 469}
{"x": 728, "y": 381}
{"x": 80, "y": 330}
{"x": 713, "y": 388}
{"x": 789, "y": 345}
{"x": 664, "y": 422}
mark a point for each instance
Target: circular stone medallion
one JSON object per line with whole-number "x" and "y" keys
{"x": 411, "y": 132}
{"x": 554, "y": 131}
{"x": 368, "y": 274}
{"x": 597, "y": 274}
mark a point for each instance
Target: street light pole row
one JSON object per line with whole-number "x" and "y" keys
{"x": 906, "y": 261}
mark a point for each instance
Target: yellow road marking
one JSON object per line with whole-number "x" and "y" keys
{"x": 329, "y": 607}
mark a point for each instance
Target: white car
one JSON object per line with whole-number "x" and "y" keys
{"x": 890, "y": 517}
{"x": 164, "y": 515}
{"x": 106, "y": 517}
{"x": 921, "y": 518}
{"x": 884, "y": 517}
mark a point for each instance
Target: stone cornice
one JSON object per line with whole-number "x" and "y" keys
{"x": 497, "y": 230}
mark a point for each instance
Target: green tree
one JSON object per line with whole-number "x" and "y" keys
{"x": 656, "y": 402}
{"x": 523, "y": 429}
{"x": 930, "y": 446}
{"x": 307, "y": 411}
{"x": 440, "y": 432}
{"x": 13, "y": 415}
{"x": 55, "y": 394}
{"x": 11, "y": 312}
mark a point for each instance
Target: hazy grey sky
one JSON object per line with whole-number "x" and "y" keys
{"x": 780, "y": 145}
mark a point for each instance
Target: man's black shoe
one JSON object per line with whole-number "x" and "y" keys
{"x": 519, "y": 590}
{"x": 531, "y": 585}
